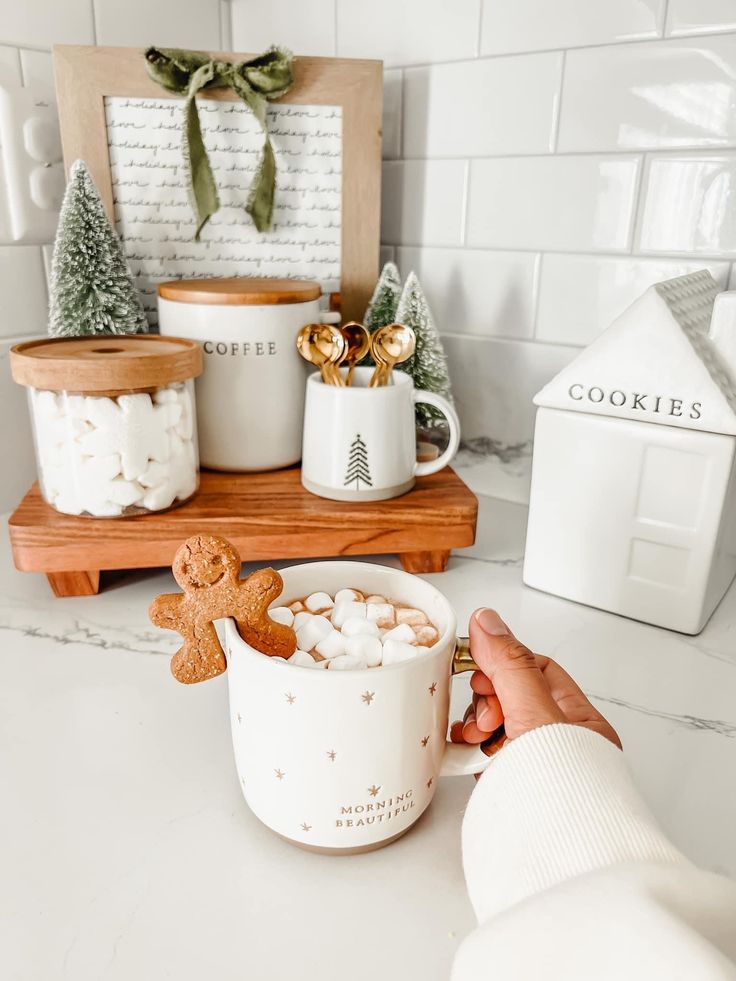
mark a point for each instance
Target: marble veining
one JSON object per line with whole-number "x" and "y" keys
{"x": 126, "y": 819}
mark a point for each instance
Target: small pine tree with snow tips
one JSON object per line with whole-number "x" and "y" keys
{"x": 428, "y": 364}
{"x": 92, "y": 289}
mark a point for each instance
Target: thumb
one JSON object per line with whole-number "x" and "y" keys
{"x": 521, "y": 687}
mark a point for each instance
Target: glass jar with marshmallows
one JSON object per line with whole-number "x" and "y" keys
{"x": 114, "y": 421}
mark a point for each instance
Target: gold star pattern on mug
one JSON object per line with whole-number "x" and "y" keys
{"x": 373, "y": 791}
{"x": 368, "y": 697}
{"x": 332, "y": 755}
{"x": 289, "y": 697}
{"x": 432, "y": 688}
{"x": 430, "y": 782}
{"x": 279, "y": 774}
{"x": 425, "y": 741}
{"x": 306, "y": 827}
{"x": 239, "y": 717}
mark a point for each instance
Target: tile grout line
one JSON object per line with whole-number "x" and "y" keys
{"x": 94, "y": 21}
{"x": 557, "y": 116}
{"x": 571, "y": 48}
{"x": 479, "y": 38}
{"x": 658, "y": 256}
{"x": 639, "y": 202}
{"x": 692, "y": 152}
{"x": 536, "y": 291}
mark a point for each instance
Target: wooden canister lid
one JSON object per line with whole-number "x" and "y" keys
{"x": 105, "y": 364}
{"x": 240, "y": 291}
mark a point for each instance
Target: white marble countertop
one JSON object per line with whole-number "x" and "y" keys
{"x": 129, "y": 853}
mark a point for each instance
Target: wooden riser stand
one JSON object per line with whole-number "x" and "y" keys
{"x": 267, "y": 516}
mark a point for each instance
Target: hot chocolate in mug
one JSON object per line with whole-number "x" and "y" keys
{"x": 347, "y": 761}
{"x": 360, "y": 442}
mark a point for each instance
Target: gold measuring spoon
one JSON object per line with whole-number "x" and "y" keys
{"x": 358, "y": 342}
{"x": 390, "y": 345}
{"x": 324, "y": 346}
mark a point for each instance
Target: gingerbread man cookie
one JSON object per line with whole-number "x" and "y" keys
{"x": 208, "y": 570}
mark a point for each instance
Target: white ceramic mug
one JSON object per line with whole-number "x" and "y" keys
{"x": 360, "y": 442}
{"x": 346, "y": 761}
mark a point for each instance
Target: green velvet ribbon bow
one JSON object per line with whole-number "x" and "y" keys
{"x": 268, "y": 76}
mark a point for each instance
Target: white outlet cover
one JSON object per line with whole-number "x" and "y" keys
{"x": 31, "y": 167}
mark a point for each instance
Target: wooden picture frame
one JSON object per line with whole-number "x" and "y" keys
{"x": 85, "y": 75}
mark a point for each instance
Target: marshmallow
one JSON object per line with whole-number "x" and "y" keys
{"x": 420, "y": 651}
{"x": 296, "y": 607}
{"x": 154, "y": 474}
{"x": 282, "y": 614}
{"x": 124, "y": 492}
{"x": 68, "y": 503}
{"x": 301, "y": 618}
{"x": 105, "y": 510}
{"x": 345, "y": 609}
{"x": 165, "y": 396}
{"x": 357, "y": 625}
{"x": 402, "y": 633}
{"x": 311, "y": 633}
{"x": 302, "y": 659}
{"x": 348, "y": 596}
{"x": 413, "y": 617}
{"x": 333, "y": 645}
{"x": 159, "y": 498}
{"x": 347, "y": 662}
{"x": 395, "y": 651}
{"x": 383, "y": 614}
{"x": 368, "y": 649}
{"x": 375, "y": 598}
{"x": 426, "y": 635}
{"x": 318, "y": 602}
{"x": 185, "y": 426}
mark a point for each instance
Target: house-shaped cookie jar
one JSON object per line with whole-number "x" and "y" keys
{"x": 633, "y": 499}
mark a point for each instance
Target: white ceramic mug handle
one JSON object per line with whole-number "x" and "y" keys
{"x": 432, "y": 466}
{"x": 462, "y": 759}
{"x": 330, "y": 316}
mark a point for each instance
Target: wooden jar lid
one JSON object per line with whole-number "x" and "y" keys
{"x": 105, "y": 364}
{"x": 240, "y": 291}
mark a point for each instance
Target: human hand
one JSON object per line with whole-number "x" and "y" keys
{"x": 518, "y": 689}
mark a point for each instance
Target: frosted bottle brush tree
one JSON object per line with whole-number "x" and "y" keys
{"x": 382, "y": 307}
{"x": 428, "y": 364}
{"x": 92, "y": 289}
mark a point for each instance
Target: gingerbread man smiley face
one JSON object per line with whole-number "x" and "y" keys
{"x": 206, "y": 563}
{"x": 208, "y": 570}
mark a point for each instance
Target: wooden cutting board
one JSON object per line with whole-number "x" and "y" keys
{"x": 267, "y": 516}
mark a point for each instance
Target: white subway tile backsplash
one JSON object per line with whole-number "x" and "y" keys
{"x": 306, "y": 27}
{"x": 700, "y": 16}
{"x": 494, "y": 382}
{"x": 10, "y": 65}
{"x": 474, "y": 292}
{"x": 392, "y": 108}
{"x": 23, "y": 299}
{"x": 409, "y": 32}
{"x": 580, "y": 295}
{"x": 41, "y": 23}
{"x": 687, "y": 205}
{"x": 423, "y": 202}
{"x": 565, "y": 204}
{"x": 16, "y": 442}
{"x": 482, "y": 108}
{"x": 387, "y": 253}
{"x": 38, "y": 68}
{"x": 650, "y": 96}
{"x": 531, "y": 25}
{"x": 174, "y": 23}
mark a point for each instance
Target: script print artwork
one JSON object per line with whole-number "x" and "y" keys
{"x": 154, "y": 217}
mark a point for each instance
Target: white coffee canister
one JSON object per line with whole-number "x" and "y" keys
{"x": 250, "y": 397}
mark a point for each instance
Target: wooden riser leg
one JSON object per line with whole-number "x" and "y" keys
{"x": 425, "y": 561}
{"x": 74, "y": 583}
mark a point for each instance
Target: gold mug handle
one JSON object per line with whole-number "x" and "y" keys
{"x": 462, "y": 661}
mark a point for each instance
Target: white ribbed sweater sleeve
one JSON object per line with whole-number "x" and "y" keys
{"x": 570, "y": 877}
